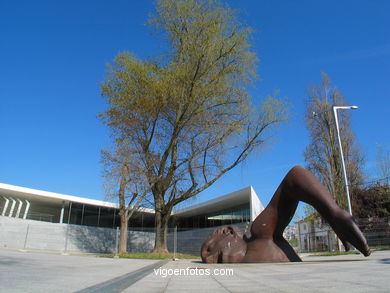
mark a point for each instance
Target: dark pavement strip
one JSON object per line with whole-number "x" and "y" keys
{"x": 121, "y": 283}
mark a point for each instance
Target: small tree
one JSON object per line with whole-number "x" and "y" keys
{"x": 383, "y": 163}
{"x": 122, "y": 181}
{"x": 188, "y": 118}
{"x": 322, "y": 155}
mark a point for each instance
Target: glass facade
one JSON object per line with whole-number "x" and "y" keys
{"x": 89, "y": 215}
{"x": 108, "y": 217}
{"x": 43, "y": 212}
{"x": 229, "y": 216}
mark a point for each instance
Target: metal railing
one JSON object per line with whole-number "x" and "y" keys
{"x": 25, "y": 234}
{"x": 376, "y": 231}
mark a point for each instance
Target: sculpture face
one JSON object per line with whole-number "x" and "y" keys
{"x": 224, "y": 245}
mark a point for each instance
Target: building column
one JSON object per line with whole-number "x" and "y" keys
{"x": 98, "y": 222}
{"x": 299, "y": 237}
{"x": 26, "y": 209}
{"x": 62, "y": 212}
{"x": 12, "y": 207}
{"x": 20, "y": 205}
{"x": 5, "y": 206}
{"x": 82, "y": 215}
{"x": 70, "y": 211}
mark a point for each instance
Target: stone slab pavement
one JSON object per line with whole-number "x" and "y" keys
{"x": 348, "y": 273}
{"x": 45, "y": 272}
{"x": 49, "y": 272}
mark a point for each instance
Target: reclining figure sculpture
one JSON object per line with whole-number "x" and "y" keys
{"x": 266, "y": 243}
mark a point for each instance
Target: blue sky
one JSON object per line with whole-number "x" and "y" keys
{"x": 53, "y": 56}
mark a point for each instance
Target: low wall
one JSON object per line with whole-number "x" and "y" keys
{"x": 29, "y": 234}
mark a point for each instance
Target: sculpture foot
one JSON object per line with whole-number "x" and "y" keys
{"x": 349, "y": 233}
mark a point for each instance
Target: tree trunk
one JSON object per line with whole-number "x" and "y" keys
{"x": 161, "y": 222}
{"x": 123, "y": 235}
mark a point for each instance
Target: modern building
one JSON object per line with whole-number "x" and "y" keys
{"x": 25, "y": 203}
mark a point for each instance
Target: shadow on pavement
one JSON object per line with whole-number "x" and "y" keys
{"x": 385, "y": 260}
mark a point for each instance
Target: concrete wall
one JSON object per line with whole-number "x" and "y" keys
{"x": 36, "y": 235}
{"x": 30, "y": 234}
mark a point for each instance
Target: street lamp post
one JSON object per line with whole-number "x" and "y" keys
{"x": 335, "y": 108}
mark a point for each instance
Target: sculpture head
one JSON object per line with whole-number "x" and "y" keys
{"x": 224, "y": 245}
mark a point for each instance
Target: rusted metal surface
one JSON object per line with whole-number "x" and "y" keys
{"x": 228, "y": 244}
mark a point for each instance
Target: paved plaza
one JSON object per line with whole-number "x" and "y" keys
{"x": 44, "y": 272}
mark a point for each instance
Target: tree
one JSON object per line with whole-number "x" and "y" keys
{"x": 308, "y": 210}
{"x": 119, "y": 170}
{"x": 371, "y": 205}
{"x": 383, "y": 163}
{"x": 187, "y": 116}
{"x": 371, "y": 201}
{"x": 322, "y": 155}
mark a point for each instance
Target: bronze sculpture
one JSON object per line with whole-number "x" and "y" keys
{"x": 266, "y": 244}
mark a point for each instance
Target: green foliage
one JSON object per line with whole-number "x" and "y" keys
{"x": 308, "y": 210}
{"x": 293, "y": 242}
{"x": 187, "y": 116}
{"x": 372, "y": 202}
